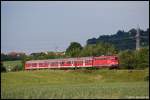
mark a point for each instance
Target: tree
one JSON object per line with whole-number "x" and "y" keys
{"x": 123, "y": 40}
{"x": 137, "y": 59}
{"x": 3, "y": 69}
{"x": 127, "y": 59}
{"x": 142, "y": 58}
{"x": 88, "y": 50}
{"x": 98, "y": 49}
{"x": 17, "y": 68}
{"x": 37, "y": 56}
{"x": 12, "y": 56}
{"x": 4, "y": 57}
{"x": 74, "y": 49}
{"x": 51, "y": 55}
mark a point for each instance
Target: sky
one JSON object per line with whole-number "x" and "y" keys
{"x": 40, "y": 26}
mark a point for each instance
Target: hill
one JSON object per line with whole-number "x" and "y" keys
{"x": 123, "y": 40}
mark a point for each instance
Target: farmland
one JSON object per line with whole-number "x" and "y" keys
{"x": 75, "y": 84}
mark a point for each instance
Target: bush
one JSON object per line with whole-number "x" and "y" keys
{"x": 142, "y": 58}
{"x": 3, "y": 69}
{"x": 127, "y": 59}
{"x": 134, "y": 59}
{"x": 146, "y": 78}
{"x": 17, "y": 68}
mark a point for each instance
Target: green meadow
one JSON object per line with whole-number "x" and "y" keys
{"x": 75, "y": 84}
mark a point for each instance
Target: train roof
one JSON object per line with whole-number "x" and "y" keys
{"x": 61, "y": 59}
{"x": 70, "y": 59}
{"x": 104, "y": 56}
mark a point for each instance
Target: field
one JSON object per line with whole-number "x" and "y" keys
{"x": 75, "y": 84}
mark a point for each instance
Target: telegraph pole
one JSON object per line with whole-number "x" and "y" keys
{"x": 138, "y": 39}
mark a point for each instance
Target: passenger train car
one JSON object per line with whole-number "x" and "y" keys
{"x": 98, "y": 62}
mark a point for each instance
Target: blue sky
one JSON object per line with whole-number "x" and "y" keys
{"x": 29, "y": 26}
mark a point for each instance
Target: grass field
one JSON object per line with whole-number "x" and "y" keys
{"x": 75, "y": 84}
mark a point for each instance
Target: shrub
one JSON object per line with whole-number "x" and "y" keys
{"x": 17, "y": 68}
{"x": 3, "y": 69}
{"x": 134, "y": 59}
{"x": 127, "y": 59}
{"x": 146, "y": 78}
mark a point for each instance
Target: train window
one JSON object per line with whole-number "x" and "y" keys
{"x": 68, "y": 62}
{"x": 75, "y": 61}
{"x": 54, "y": 63}
{"x": 28, "y": 65}
{"x": 61, "y": 62}
{"x": 116, "y": 58}
{"x": 80, "y": 62}
{"x": 34, "y": 64}
{"x": 40, "y": 64}
{"x": 88, "y": 61}
{"x": 43, "y": 64}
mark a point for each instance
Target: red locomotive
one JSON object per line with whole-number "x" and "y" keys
{"x": 98, "y": 62}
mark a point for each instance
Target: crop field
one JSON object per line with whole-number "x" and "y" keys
{"x": 75, "y": 84}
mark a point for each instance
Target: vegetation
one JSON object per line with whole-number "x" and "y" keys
{"x": 98, "y": 50}
{"x": 10, "y": 65}
{"x": 142, "y": 58}
{"x": 74, "y": 49}
{"x": 12, "y": 57}
{"x": 75, "y": 84}
{"x": 3, "y": 69}
{"x": 123, "y": 40}
{"x": 17, "y": 68}
{"x": 128, "y": 59}
{"x": 134, "y": 59}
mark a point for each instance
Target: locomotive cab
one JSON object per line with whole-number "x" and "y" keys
{"x": 106, "y": 61}
{"x": 114, "y": 63}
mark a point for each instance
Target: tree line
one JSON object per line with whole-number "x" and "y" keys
{"x": 123, "y": 40}
{"x": 128, "y": 59}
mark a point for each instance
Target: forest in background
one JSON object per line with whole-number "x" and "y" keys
{"x": 123, "y": 40}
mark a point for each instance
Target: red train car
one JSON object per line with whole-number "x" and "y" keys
{"x": 99, "y": 62}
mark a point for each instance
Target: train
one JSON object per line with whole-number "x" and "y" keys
{"x": 78, "y": 62}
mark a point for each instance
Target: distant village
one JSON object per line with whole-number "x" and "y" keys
{"x": 13, "y": 53}
{"x": 19, "y": 55}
